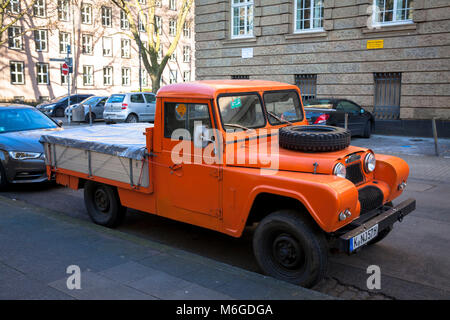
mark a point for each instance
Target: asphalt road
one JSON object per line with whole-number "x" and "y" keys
{"x": 414, "y": 259}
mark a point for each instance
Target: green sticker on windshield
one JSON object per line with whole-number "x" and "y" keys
{"x": 236, "y": 103}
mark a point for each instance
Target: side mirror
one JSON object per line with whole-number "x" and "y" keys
{"x": 201, "y": 136}
{"x": 59, "y": 123}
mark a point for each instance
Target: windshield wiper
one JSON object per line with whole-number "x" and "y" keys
{"x": 278, "y": 118}
{"x": 237, "y": 126}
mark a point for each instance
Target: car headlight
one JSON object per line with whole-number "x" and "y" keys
{"x": 22, "y": 155}
{"x": 369, "y": 162}
{"x": 340, "y": 170}
{"x": 49, "y": 107}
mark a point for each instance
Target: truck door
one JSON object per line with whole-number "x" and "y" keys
{"x": 194, "y": 184}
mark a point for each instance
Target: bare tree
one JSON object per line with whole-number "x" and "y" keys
{"x": 144, "y": 14}
{"x": 10, "y": 13}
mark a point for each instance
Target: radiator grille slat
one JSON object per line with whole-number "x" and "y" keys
{"x": 354, "y": 173}
{"x": 370, "y": 198}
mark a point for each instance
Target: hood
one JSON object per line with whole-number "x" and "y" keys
{"x": 24, "y": 140}
{"x": 286, "y": 160}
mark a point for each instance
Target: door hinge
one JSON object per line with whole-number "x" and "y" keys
{"x": 219, "y": 213}
{"x": 217, "y": 173}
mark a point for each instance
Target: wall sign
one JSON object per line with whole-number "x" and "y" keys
{"x": 375, "y": 44}
{"x": 247, "y": 53}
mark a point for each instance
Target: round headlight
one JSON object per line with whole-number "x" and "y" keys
{"x": 369, "y": 162}
{"x": 339, "y": 170}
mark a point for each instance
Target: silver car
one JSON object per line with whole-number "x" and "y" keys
{"x": 130, "y": 107}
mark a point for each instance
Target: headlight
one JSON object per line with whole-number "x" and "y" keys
{"x": 339, "y": 170}
{"x": 369, "y": 162}
{"x": 21, "y": 155}
{"x": 49, "y": 107}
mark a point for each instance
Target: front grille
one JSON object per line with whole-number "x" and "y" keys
{"x": 354, "y": 173}
{"x": 370, "y": 198}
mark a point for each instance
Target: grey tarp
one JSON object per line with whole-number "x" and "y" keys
{"x": 122, "y": 140}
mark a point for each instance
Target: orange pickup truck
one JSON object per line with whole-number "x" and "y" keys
{"x": 228, "y": 154}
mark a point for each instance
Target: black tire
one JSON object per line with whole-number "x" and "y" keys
{"x": 103, "y": 204}
{"x": 314, "y": 138}
{"x": 367, "y": 130}
{"x": 3, "y": 181}
{"x": 289, "y": 247}
{"x": 87, "y": 117}
{"x": 132, "y": 118}
{"x": 59, "y": 112}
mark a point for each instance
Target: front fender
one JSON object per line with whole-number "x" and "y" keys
{"x": 393, "y": 171}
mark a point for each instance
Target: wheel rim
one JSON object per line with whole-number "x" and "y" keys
{"x": 132, "y": 119}
{"x": 287, "y": 252}
{"x": 101, "y": 200}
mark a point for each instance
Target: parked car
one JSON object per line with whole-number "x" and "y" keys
{"x": 21, "y": 153}
{"x": 130, "y": 107}
{"x": 96, "y": 103}
{"x": 332, "y": 112}
{"x": 56, "y": 107}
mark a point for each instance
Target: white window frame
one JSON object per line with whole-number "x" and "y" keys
{"x": 158, "y": 26}
{"x": 108, "y": 76}
{"x": 394, "y": 21}
{"x": 126, "y": 76}
{"x": 107, "y": 48}
{"x": 41, "y": 75}
{"x": 88, "y": 75}
{"x": 125, "y": 48}
{"x": 40, "y": 9}
{"x": 187, "y": 29}
{"x": 160, "y": 53}
{"x": 87, "y": 43}
{"x": 16, "y": 38}
{"x": 172, "y": 27}
{"x": 311, "y": 17}
{"x": 106, "y": 16}
{"x": 63, "y": 10}
{"x": 246, "y": 4}
{"x": 144, "y": 77}
{"x": 186, "y": 54}
{"x": 142, "y": 22}
{"x": 17, "y": 73}
{"x": 86, "y": 13}
{"x": 14, "y": 6}
{"x": 173, "y": 4}
{"x": 41, "y": 42}
{"x": 173, "y": 74}
{"x": 124, "y": 23}
{"x": 186, "y": 76}
{"x": 64, "y": 40}
{"x": 173, "y": 57}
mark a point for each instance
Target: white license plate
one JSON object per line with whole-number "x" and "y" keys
{"x": 364, "y": 237}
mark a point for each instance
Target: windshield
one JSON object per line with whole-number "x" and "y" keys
{"x": 57, "y": 99}
{"x": 241, "y": 111}
{"x": 12, "y": 120}
{"x": 283, "y": 105}
{"x": 90, "y": 100}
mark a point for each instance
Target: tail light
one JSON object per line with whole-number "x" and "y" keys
{"x": 322, "y": 119}
{"x": 124, "y": 106}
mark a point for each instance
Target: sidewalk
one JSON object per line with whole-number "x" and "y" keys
{"x": 37, "y": 245}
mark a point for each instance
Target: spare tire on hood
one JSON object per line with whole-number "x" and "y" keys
{"x": 314, "y": 138}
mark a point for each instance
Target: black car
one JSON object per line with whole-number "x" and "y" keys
{"x": 332, "y": 112}
{"x": 22, "y": 157}
{"x": 57, "y": 106}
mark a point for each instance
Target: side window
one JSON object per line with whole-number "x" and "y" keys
{"x": 102, "y": 102}
{"x": 137, "y": 98}
{"x": 348, "y": 107}
{"x": 150, "y": 98}
{"x": 185, "y": 116}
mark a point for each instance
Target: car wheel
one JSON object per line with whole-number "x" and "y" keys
{"x": 3, "y": 181}
{"x": 289, "y": 247}
{"x": 367, "y": 130}
{"x": 87, "y": 117}
{"x": 59, "y": 112}
{"x": 103, "y": 204}
{"x": 132, "y": 118}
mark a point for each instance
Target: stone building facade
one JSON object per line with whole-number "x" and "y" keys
{"x": 105, "y": 58}
{"x": 391, "y": 56}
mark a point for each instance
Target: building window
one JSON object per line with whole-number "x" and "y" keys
{"x": 186, "y": 30}
{"x": 173, "y": 57}
{"x": 186, "y": 76}
{"x": 308, "y": 15}
{"x": 86, "y": 44}
{"x": 15, "y": 37}
{"x": 14, "y": 6}
{"x": 392, "y": 11}
{"x": 160, "y": 52}
{"x": 173, "y": 4}
{"x": 86, "y": 13}
{"x": 142, "y": 1}
{"x": 158, "y": 23}
{"x": 126, "y": 76}
{"x": 144, "y": 77}
{"x": 63, "y": 10}
{"x": 240, "y": 77}
{"x": 107, "y": 46}
{"x": 172, "y": 27}
{"x": 125, "y": 45}
{"x": 108, "y": 76}
{"x": 186, "y": 54}
{"x": 142, "y": 23}
{"x": 42, "y": 73}
{"x": 241, "y": 18}
{"x": 106, "y": 16}
{"x": 172, "y": 76}
{"x": 124, "y": 23}
{"x": 387, "y": 94}
{"x": 40, "y": 40}
{"x": 88, "y": 75}
{"x": 64, "y": 41}
{"x": 307, "y": 84}
{"x": 64, "y": 78}
{"x": 39, "y": 9}
{"x": 17, "y": 72}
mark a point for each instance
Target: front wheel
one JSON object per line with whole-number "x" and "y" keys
{"x": 289, "y": 247}
{"x": 367, "y": 130}
{"x": 103, "y": 204}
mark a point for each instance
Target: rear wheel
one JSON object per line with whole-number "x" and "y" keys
{"x": 103, "y": 204}
{"x": 289, "y": 247}
{"x": 132, "y": 118}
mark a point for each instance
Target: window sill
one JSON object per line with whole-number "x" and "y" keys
{"x": 306, "y": 35}
{"x": 388, "y": 28}
{"x": 239, "y": 41}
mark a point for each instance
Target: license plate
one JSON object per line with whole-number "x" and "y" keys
{"x": 364, "y": 237}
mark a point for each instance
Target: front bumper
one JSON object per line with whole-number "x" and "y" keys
{"x": 384, "y": 217}
{"x": 25, "y": 171}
